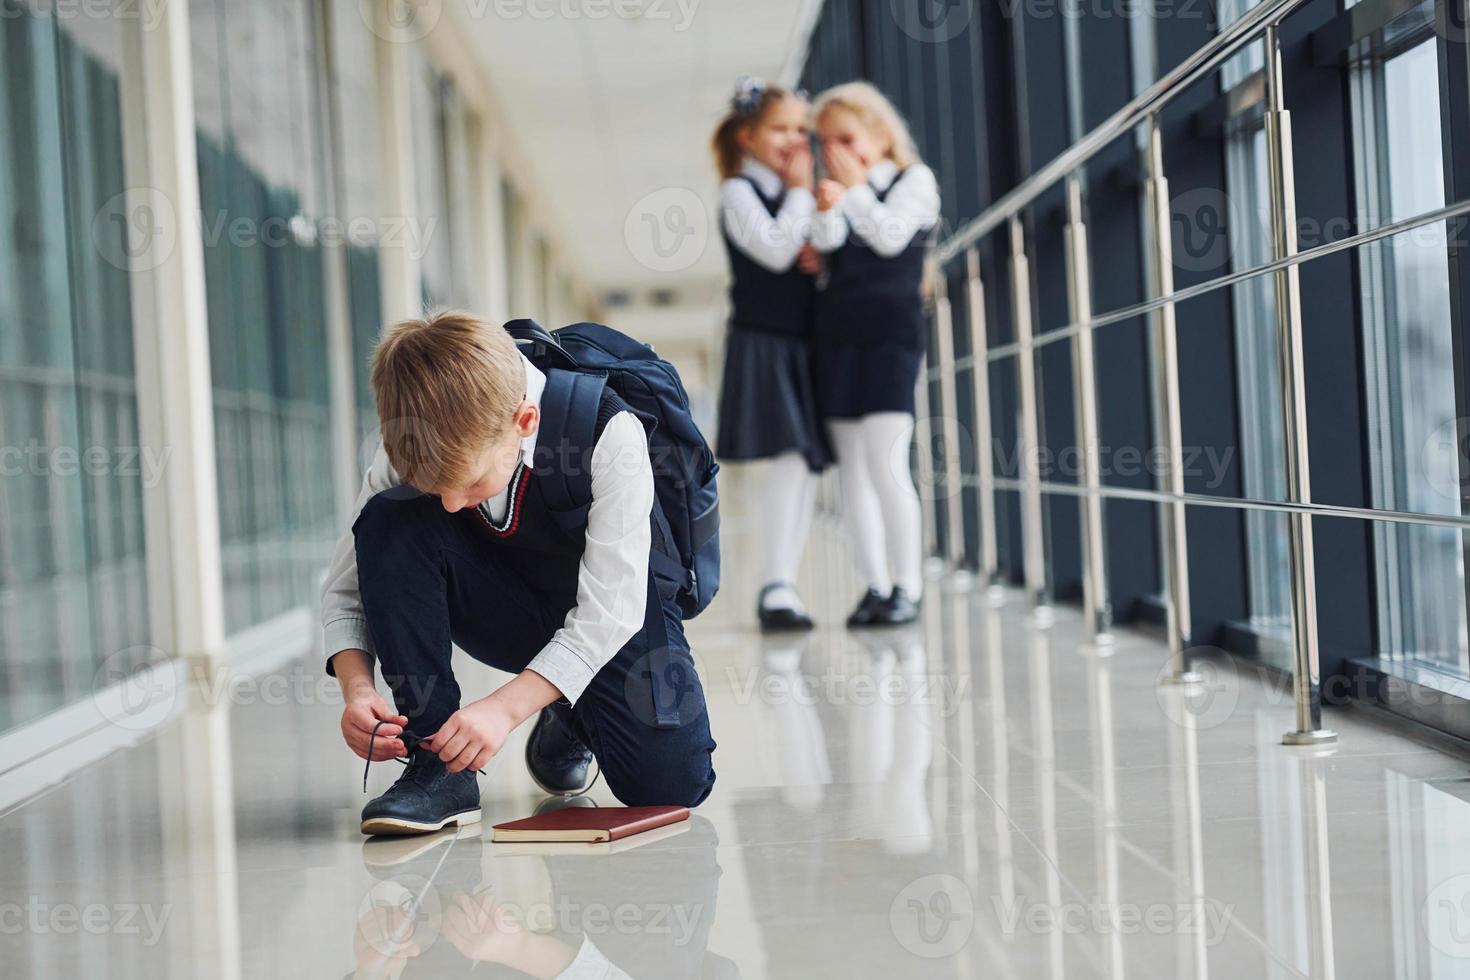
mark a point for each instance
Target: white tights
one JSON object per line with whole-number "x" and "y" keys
{"x": 785, "y": 500}
{"x": 880, "y": 507}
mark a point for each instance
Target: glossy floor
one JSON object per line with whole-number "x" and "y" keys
{"x": 977, "y": 796}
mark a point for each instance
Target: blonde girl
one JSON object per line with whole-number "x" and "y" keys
{"x": 875, "y": 209}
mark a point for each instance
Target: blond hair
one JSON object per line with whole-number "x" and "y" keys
{"x": 447, "y": 386}
{"x": 725, "y": 144}
{"x": 875, "y": 113}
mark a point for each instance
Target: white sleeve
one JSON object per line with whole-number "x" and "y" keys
{"x": 889, "y": 226}
{"x": 612, "y": 580}
{"x": 591, "y": 964}
{"x": 829, "y": 229}
{"x": 773, "y": 241}
{"x": 343, "y": 624}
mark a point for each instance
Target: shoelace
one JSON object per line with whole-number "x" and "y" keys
{"x": 413, "y": 739}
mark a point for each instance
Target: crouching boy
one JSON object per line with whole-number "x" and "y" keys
{"x": 457, "y": 541}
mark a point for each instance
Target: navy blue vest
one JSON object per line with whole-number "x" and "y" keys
{"x": 536, "y": 546}
{"x": 869, "y": 300}
{"x": 777, "y": 302}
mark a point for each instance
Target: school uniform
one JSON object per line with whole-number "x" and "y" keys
{"x": 869, "y": 333}
{"x": 867, "y": 349}
{"x": 767, "y": 400}
{"x": 510, "y": 585}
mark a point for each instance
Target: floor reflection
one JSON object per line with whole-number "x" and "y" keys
{"x": 971, "y": 796}
{"x": 444, "y": 906}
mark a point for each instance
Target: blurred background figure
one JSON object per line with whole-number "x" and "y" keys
{"x": 875, "y": 207}
{"x": 767, "y": 405}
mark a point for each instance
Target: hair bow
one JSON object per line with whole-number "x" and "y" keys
{"x": 749, "y": 91}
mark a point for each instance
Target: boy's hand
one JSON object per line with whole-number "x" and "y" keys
{"x": 472, "y": 735}
{"x": 364, "y": 710}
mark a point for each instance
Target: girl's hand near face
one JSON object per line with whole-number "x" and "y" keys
{"x": 844, "y": 165}
{"x": 799, "y": 168}
{"x": 829, "y": 192}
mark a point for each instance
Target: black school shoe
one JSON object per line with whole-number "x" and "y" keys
{"x": 780, "y": 619}
{"x": 870, "y": 610}
{"x": 898, "y": 609}
{"x": 555, "y": 756}
{"x": 426, "y": 798}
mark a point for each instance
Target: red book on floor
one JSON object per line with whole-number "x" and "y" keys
{"x": 589, "y": 824}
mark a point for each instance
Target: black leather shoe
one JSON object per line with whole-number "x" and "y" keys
{"x": 557, "y": 759}
{"x": 898, "y": 609}
{"x": 427, "y": 797}
{"x": 869, "y": 610}
{"x": 779, "y": 619}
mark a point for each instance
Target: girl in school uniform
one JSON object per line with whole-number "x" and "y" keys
{"x": 875, "y": 208}
{"x": 767, "y": 401}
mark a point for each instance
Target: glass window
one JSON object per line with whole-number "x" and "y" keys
{"x": 73, "y": 592}
{"x": 440, "y": 169}
{"x": 1409, "y": 350}
{"x": 1258, "y": 377}
{"x": 261, "y": 192}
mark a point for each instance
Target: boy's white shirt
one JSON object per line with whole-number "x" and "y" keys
{"x": 887, "y": 226}
{"x": 773, "y": 241}
{"x": 612, "y": 581}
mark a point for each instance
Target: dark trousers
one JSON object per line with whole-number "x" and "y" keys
{"x": 429, "y": 578}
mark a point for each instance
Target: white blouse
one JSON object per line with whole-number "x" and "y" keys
{"x": 887, "y": 226}
{"x": 774, "y": 242}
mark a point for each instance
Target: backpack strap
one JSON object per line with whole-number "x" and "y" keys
{"x": 568, "y": 432}
{"x": 540, "y": 347}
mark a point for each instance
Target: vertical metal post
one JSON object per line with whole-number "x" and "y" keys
{"x": 1097, "y": 613}
{"x": 1166, "y": 385}
{"x": 1281, "y": 174}
{"x": 1028, "y": 441}
{"x": 924, "y": 437}
{"x": 984, "y": 435}
{"x": 954, "y": 514}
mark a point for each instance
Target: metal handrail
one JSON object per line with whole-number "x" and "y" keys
{"x": 1199, "y": 64}
{"x": 1000, "y": 352}
{"x": 1417, "y": 517}
{"x": 1005, "y": 215}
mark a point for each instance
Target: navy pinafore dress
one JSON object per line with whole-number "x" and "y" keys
{"x": 869, "y": 336}
{"x": 767, "y": 393}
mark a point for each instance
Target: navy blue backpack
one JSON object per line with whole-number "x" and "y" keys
{"x": 581, "y": 360}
